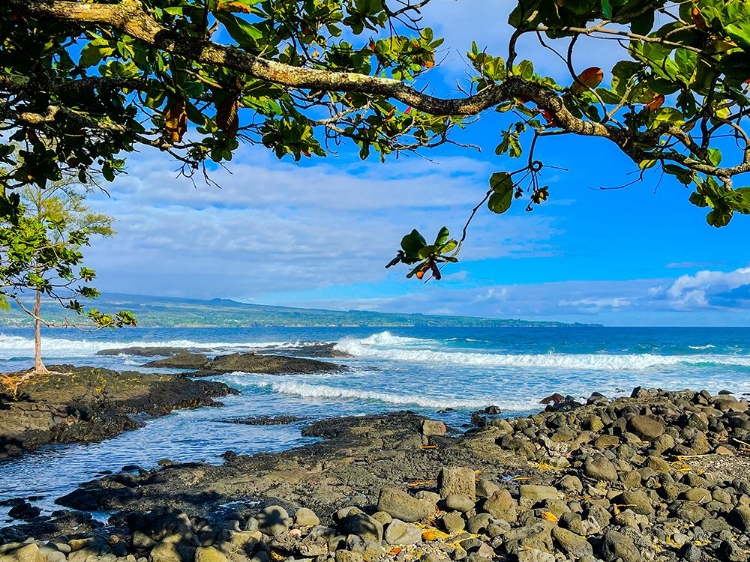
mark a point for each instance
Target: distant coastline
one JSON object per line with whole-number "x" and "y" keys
{"x": 171, "y": 312}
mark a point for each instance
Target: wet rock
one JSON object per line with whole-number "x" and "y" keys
{"x": 24, "y": 510}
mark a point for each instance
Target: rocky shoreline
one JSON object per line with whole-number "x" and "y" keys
{"x": 86, "y": 404}
{"x": 659, "y": 476}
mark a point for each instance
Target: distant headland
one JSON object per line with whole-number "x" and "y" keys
{"x": 172, "y": 312}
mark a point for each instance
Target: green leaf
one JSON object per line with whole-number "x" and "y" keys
{"x": 500, "y": 182}
{"x": 719, "y": 217}
{"x": 742, "y": 204}
{"x": 413, "y": 242}
{"x": 442, "y": 236}
{"x": 244, "y": 33}
{"x": 426, "y": 252}
{"x": 643, "y": 24}
{"x": 714, "y": 156}
{"x": 606, "y": 9}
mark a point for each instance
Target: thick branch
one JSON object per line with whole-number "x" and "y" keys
{"x": 129, "y": 17}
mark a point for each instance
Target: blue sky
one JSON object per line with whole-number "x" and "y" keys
{"x": 319, "y": 233}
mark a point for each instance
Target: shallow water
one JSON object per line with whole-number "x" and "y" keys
{"x": 421, "y": 369}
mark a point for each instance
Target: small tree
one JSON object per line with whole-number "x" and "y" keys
{"x": 42, "y": 254}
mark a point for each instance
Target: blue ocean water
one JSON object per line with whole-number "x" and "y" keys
{"x": 443, "y": 372}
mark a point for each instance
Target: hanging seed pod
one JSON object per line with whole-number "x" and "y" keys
{"x": 227, "y": 119}
{"x": 175, "y": 121}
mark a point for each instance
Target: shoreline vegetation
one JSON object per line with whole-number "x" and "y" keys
{"x": 167, "y": 312}
{"x": 658, "y": 476}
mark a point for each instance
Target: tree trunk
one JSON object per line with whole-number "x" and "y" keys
{"x": 39, "y": 367}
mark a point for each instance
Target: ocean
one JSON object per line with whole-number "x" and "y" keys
{"x": 445, "y": 373}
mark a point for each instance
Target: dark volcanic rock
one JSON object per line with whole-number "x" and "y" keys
{"x": 270, "y": 364}
{"x": 244, "y": 362}
{"x": 85, "y": 404}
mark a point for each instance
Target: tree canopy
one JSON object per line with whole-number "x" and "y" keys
{"x": 83, "y": 83}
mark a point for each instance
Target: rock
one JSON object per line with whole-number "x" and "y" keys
{"x": 485, "y": 488}
{"x": 600, "y": 468}
{"x": 209, "y": 554}
{"x": 437, "y": 556}
{"x": 571, "y": 483}
{"x": 691, "y": 512}
{"x": 459, "y": 502}
{"x": 646, "y": 427}
{"x": 616, "y": 545}
{"x": 364, "y": 526}
{"x": 171, "y": 552}
{"x": 536, "y": 493}
{"x": 273, "y": 520}
{"x": 348, "y": 556}
{"x": 699, "y": 495}
{"x": 740, "y": 518}
{"x": 635, "y": 500}
{"x": 400, "y": 505}
{"x": 691, "y": 553}
{"x": 26, "y": 553}
{"x": 501, "y": 505}
{"x": 432, "y": 427}
{"x": 453, "y": 523}
{"x": 456, "y": 480}
{"x": 306, "y": 518}
{"x": 535, "y": 555}
{"x": 605, "y": 441}
{"x": 658, "y": 464}
{"x": 478, "y": 523}
{"x": 572, "y": 544}
{"x": 24, "y": 510}
{"x": 400, "y": 533}
{"x": 535, "y": 536}
{"x": 730, "y": 552}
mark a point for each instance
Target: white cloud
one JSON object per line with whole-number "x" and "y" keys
{"x": 275, "y": 226}
{"x": 691, "y": 291}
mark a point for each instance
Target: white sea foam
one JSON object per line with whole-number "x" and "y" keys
{"x": 12, "y": 346}
{"x": 332, "y": 392}
{"x": 699, "y": 347}
{"x": 583, "y": 361}
{"x": 387, "y": 339}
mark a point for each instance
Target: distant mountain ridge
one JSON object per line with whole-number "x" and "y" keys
{"x": 173, "y": 312}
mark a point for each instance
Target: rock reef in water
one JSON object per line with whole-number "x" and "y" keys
{"x": 85, "y": 404}
{"x": 244, "y": 362}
